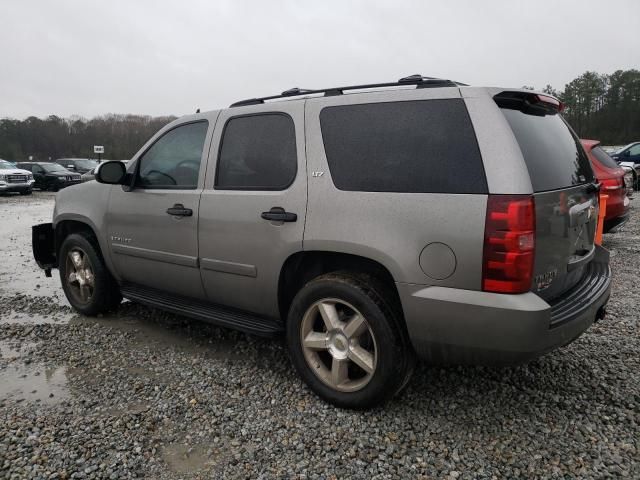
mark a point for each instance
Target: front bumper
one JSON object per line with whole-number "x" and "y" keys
{"x": 43, "y": 242}
{"x": 67, "y": 183}
{"x": 16, "y": 187}
{"x": 453, "y": 326}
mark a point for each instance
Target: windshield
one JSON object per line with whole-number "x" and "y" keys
{"x": 4, "y": 165}
{"x": 53, "y": 167}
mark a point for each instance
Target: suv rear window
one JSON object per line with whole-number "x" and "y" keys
{"x": 553, "y": 153}
{"x": 425, "y": 146}
{"x": 604, "y": 158}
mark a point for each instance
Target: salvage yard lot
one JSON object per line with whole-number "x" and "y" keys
{"x": 149, "y": 394}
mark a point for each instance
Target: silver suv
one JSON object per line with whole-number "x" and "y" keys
{"x": 370, "y": 224}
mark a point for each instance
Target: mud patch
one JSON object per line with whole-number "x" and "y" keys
{"x": 187, "y": 459}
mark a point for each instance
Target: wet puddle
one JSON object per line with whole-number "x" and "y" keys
{"x": 33, "y": 384}
{"x": 30, "y": 382}
{"x": 32, "y": 319}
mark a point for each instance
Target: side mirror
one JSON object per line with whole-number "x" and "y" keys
{"x": 112, "y": 173}
{"x": 627, "y": 153}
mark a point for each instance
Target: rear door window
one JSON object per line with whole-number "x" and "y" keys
{"x": 258, "y": 152}
{"x": 424, "y": 146}
{"x": 553, "y": 153}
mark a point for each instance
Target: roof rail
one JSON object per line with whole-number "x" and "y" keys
{"x": 418, "y": 80}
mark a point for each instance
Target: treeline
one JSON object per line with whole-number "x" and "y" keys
{"x": 603, "y": 107}
{"x": 54, "y": 137}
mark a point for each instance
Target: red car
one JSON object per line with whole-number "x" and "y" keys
{"x": 611, "y": 177}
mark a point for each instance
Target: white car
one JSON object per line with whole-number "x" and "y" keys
{"x": 14, "y": 179}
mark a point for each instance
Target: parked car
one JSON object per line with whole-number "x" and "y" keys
{"x": 630, "y": 153}
{"x": 611, "y": 177}
{"x": 11, "y": 164}
{"x": 14, "y": 179}
{"x": 50, "y": 176}
{"x": 334, "y": 218}
{"x": 91, "y": 174}
{"x": 79, "y": 165}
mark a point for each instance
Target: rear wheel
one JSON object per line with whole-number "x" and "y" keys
{"x": 88, "y": 285}
{"x": 347, "y": 343}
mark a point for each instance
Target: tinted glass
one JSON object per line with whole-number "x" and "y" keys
{"x": 174, "y": 160}
{"x": 635, "y": 150}
{"x": 553, "y": 154}
{"x": 258, "y": 152}
{"x": 417, "y": 146}
{"x": 53, "y": 167}
{"x": 604, "y": 158}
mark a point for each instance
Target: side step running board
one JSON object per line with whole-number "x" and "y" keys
{"x": 200, "y": 310}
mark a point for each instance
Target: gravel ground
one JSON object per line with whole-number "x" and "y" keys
{"x": 153, "y": 395}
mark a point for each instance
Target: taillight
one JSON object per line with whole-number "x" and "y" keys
{"x": 613, "y": 183}
{"x": 509, "y": 244}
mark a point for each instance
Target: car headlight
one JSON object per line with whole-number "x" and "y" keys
{"x": 3, "y": 178}
{"x": 29, "y": 177}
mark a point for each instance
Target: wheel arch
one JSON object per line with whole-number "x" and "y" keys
{"x": 303, "y": 266}
{"x": 66, "y": 225}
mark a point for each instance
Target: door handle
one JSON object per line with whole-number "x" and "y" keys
{"x": 179, "y": 210}
{"x": 278, "y": 214}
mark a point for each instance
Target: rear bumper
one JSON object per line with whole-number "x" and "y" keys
{"x": 448, "y": 325}
{"x": 612, "y": 225}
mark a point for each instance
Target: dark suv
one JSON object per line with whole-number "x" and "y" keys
{"x": 367, "y": 223}
{"x": 80, "y": 165}
{"x": 50, "y": 176}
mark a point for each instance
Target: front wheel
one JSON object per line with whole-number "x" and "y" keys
{"x": 347, "y": 341}
{"x": 86, "y": 282}
{"x": 25, "y": 192}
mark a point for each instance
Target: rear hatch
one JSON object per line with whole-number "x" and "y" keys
{"x": 565, "y": 195}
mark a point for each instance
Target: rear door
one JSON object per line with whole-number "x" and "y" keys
{"x": 566, "y": 198}
{"x": 253, "y": 208}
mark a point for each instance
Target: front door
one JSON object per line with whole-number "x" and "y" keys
{"x": 153, "y": 227}
{"x": 38, "y": 176}
{"x": 253, "y": 207}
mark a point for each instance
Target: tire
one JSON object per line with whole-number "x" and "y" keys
{"x": 25, "y": 192}
{"x": 89, "y": 286}
{"x": 318, "y": 352}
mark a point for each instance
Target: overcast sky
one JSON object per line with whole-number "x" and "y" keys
{"x": 170, "y": 57}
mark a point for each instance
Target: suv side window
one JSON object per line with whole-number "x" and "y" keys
{"x": 635, "y": 150}
{"x": 173, "y": 161}
{"x": 423, "y": 146}
{"x": 257, "y": 152}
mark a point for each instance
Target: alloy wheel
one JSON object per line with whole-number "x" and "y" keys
{"x": 80, "y": 277}
{"x": 338, "y": 345}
